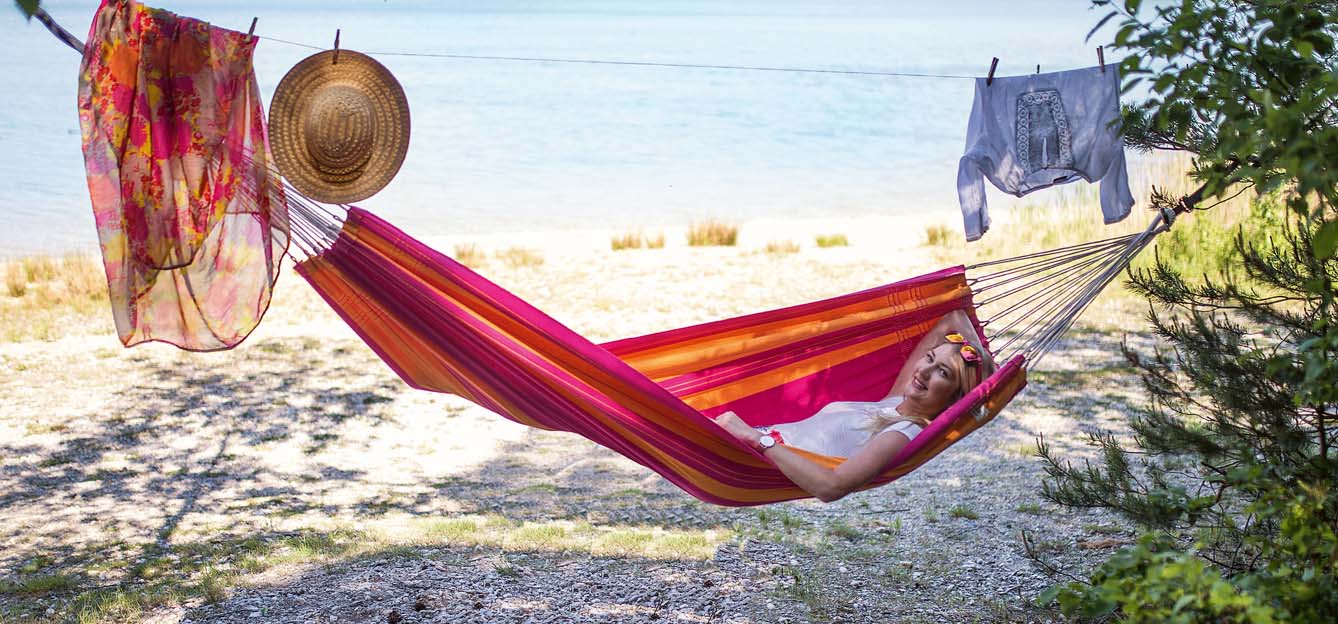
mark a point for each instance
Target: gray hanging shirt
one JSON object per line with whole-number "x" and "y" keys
{"x": 1031, "y": 132}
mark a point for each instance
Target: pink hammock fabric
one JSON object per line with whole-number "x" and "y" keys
{"x": 191, "y": 221}
{"x": 444, "y": 328}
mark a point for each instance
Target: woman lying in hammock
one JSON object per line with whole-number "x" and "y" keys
{"x": 946, "y": 364}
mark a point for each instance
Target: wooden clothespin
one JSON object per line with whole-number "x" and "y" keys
{"x": 989, "y": 80}
{"x": 1101, "y": 58}
{"x": 251, "y": 32}
{"x": 335, "y": 60}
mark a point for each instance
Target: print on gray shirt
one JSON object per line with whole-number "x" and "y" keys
{"x": 1043, "y": 140}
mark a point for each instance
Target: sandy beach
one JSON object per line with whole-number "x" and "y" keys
{"x": 296, "y": 479}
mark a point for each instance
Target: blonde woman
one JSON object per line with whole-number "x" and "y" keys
{"x": 946, "y": 364}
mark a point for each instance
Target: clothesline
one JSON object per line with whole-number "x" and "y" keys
{"x": 536, "y": 59}
{"x": 64, "y": 36}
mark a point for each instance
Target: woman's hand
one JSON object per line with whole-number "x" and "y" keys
{"x": 737, "y": 428}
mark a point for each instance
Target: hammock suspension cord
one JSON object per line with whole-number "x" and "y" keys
{"x": 1030, "y": 301}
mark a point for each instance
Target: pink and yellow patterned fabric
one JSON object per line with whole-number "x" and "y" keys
{"x": 190, "y": 214}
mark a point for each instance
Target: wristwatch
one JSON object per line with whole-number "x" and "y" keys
{"x": 768, "y": 440}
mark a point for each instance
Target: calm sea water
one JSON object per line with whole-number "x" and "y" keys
{"x": 504, "y": 146}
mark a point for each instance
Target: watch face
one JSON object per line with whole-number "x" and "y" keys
{"x": 766, "y": 442}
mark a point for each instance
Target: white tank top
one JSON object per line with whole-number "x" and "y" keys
{"x": 838, "y": 430}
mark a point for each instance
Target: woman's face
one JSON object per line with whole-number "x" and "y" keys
{"x": 935, "y": 380}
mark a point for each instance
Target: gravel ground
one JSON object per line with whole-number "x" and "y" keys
{"x": 122, "y": 468}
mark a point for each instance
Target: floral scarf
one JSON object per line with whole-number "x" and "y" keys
{"x": 190, "y": 215}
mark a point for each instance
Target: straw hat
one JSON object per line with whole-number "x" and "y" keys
{"x": 339, "y": 126}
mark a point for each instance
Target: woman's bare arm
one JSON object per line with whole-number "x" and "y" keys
{"x": 827, "y": 484}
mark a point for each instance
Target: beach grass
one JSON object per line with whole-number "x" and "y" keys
{"x": 520, "y": 257}
{"x": 831, "y": 240}
{"x": 782, "y": 247}
{"x": 712, "y": 233}
{"x": 46, "y": 295}
{"x": 469, "y": 255}
{"x": 937, "y": 235}
{"x": 626, "y": 241}
{"x": 636, "y": 240}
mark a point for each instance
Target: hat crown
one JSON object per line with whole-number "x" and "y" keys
{"x": 340, "y": 132}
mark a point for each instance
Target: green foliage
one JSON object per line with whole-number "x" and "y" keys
{"x": 1203, "y": 245}
{"x": 1153, "y": 582}
{"x": 1248, "y": 86}
{"x": 962, "y": 511}
{"x": 28, "y": 7}
{"x": 1229, "y": 471}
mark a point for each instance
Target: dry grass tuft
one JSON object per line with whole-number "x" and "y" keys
{"x": 520, "y": 257}
{"x": 832, "y": 240}
{"x": 469, "y": 255}
{"x": 47, "y": 295}
{"x": 782, "y": 247}
{"x": 938, "y": 235}
{"x": 630, "y": 240}
{"x": 636, "y": 240}
{"x": 713, "y": 233}
{"x": 16, "y": 283}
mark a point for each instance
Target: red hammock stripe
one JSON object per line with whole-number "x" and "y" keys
{"x": 444, "y": 328}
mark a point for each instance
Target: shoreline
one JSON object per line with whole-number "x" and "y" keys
{"x": 860, "y": 231}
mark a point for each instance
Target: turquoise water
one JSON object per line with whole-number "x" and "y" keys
{"x": 507, "y": 146}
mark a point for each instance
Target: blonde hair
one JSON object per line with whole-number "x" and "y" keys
{"x": 879, "y": 420}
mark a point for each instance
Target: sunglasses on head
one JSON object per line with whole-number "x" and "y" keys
{"x": 969, "y": 353}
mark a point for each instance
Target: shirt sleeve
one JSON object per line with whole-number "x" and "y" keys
{"x": 905, "y": 427}
{"x": 971, "y": 194}
{"x": 970, "y": 177}
{"x": 1116, "y": 200}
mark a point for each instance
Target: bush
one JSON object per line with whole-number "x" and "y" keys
{"x": 1152, "y": 581}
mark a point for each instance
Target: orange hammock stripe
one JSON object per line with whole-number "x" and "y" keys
{"x": 444, "y": 328}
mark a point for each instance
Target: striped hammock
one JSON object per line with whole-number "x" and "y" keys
{"x": 444, "y": 328}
